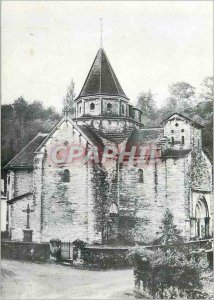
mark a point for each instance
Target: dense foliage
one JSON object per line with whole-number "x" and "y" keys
{"x": 169, "y": 270}
{"x": 21, "y": 122}
{"x": 183, "y": 98}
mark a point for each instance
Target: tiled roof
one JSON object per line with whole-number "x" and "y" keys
{"x": 171, "y": 153}
{"x": 95, "y": 139}
{"x": 113, "y": 137}
{"x": 24, "y": 159}
{"x": 145, "y": 136}
{"x": 101, "y": 78}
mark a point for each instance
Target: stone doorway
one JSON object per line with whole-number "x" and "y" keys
{"x": 202, "y": 218}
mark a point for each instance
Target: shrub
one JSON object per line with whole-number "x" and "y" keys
{"x": 169, "y": 270}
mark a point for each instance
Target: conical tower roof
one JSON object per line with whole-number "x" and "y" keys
{"x": 101, "y": 79}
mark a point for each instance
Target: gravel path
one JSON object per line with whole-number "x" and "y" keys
{"x": 24, "y": 280}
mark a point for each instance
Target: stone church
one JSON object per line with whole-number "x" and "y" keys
{"x": 116, "y": 201}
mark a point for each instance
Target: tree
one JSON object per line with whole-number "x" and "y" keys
{"x": 21, "y": 123}
{"x": 169, "y": 233}
{"x": 182, "y": 96}
{"x": 147, "y": 104}
{"x": 207, "y": 92}
{"x": 168, "y": 269}
{"x": 69, "y": 98}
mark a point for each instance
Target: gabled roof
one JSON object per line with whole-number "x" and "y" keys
{"x": 101, "y": 79}
{"x": 193, "y": 123}
{"x": 24, "y": 159}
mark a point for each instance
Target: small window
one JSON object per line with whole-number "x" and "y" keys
{"x": 66, "y": 176}
{"x": 122, "y": 109}
{"x": 182, "y": 130}
{"x": 176, "y": 124}
{"x": 92, "y": 106}
{"x": 140, "y": 174}
{"x": 109, "y": 107}
{"x": 80, "y": 109}
{"x": 172, "y": 131}
{"x": 182, "y": 140}
{"x": 172, "y": 140}
{"x": 8, "y": 180}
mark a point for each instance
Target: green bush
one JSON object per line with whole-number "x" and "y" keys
{"x": 169, "y": 270}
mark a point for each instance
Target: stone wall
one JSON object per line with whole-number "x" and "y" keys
{"x": 19, "y": 218}
{"x": 176, "y": 129}
{"x": 67, "y": 210}
{"x": 25, "y": 251}
{"x": 163, "y": 186}
{"x": 80, "y": 208}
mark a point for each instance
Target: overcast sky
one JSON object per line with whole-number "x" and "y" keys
{"x": 149, "y": 44}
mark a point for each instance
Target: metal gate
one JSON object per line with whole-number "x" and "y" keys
{"x": 66, "y": 250}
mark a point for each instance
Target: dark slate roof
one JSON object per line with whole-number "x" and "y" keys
{"x": 101, "y": 79}
{"x": 145, "y": 136}
{"x": 95, "y": 139}
{"x": 171, "y": 153}
{"x": 113, "y": 137}
{"x": 24, "y": 159}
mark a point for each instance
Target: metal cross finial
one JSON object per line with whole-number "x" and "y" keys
{"x": 101, "y": 33}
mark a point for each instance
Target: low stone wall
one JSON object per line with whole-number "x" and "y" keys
{"x": 105, "y": 257}
{"x": 25, "y": 251}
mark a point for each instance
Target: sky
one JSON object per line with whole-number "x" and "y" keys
{"x": 150, "y": 45}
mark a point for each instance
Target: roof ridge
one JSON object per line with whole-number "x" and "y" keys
{"x": 100, "y": 72}
{"x": 111, "y": 72}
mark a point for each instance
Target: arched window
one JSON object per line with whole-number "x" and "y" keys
{"x": 80, "y": 109}
{"x": 8, "y": 179}
{"x": 92, "y": 106}
{"x": 202, "y": 218}
{"x": 66, "y": 175}
{"x": 109, "y": 107}
{"x": 140, "y": 176}
{"x": 172, "y": 141}
{"x": 182, "y": 140}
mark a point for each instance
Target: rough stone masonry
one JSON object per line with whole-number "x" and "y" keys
{"x": 116, "y": 202}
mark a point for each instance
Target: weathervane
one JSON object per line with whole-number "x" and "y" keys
{"x": 101, "y": 33}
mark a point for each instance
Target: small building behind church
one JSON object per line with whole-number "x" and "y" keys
{"x": 111, "y": 201}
